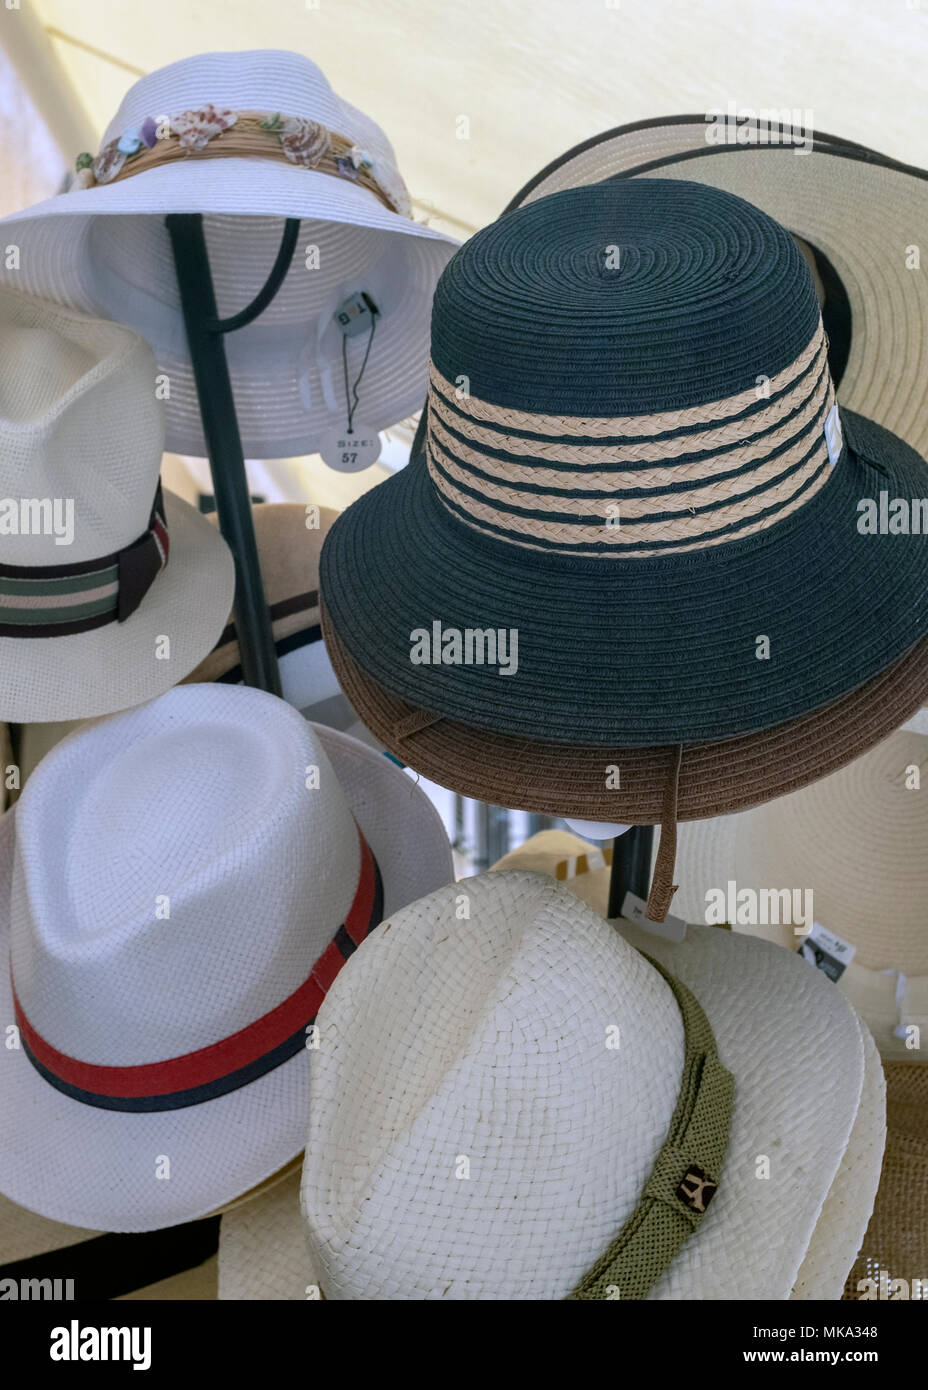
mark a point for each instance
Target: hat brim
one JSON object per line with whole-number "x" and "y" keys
{"x": 848, "y": 202}
{"x": 117, "y": 666}
{"x": 637, "y": 652}
{"x": 103, "y": 1174}
{"x": 813, "y": 839}
{"x": 553, "y": 779}
{"x": 106, "y": 250}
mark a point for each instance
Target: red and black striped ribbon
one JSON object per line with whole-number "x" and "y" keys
{"x": 233, "y": 1062}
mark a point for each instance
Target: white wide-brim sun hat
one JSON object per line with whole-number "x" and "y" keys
{"x": 97, "y": 1168}
{"x": 106, "y": 250}
{"x": 862, "y": 214}
{"x": 121, "y": 664}
{"x": 485, "y": 1037}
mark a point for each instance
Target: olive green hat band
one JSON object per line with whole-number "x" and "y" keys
{"x": 685, "y": 1176}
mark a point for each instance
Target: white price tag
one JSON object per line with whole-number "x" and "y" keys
{"x": 634, "y": 909}
{"x": 827, "y": 952}
{"x": 350, "y": 452}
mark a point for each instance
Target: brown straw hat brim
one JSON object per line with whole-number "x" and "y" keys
{"x": 559, "y": 779}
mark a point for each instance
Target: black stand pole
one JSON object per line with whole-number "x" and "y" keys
{"x": 205, "y": 332}
{"x": 631, "y": 866}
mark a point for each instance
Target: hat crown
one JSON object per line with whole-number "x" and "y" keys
{"x": 175, "y": 878}
{"x": 80, "y": 424}
{"x": 628, "y": 368}
{"x": 527, "y": 1038}
{"x": 271, "y": 80}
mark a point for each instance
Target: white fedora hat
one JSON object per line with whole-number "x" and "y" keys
{"x": 499, "y": 1096}
{"x": 109, "y": 592}
{"x": 289, "y": 537}
{"x": 857, "y": 842}
{"x": 105, "y": 248}
{"x": 861, "y": 214}
{"x": 179, "y": 884}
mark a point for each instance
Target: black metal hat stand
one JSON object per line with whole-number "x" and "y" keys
{"x": 205, "y": 337}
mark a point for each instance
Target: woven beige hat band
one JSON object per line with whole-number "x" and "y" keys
{"x": 596, "y": 426}
{"x": 561, "y": 538}
{"x": 253, "y": 134}
{"x": 714, "y": 491}
{"x": 754, "y": 471}
{"x": 441, "y": 419}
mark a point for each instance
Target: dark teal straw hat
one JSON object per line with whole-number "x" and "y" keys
{"x": 634, "y": 478}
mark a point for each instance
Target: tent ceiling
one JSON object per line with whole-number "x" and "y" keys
{"x": 532, "y": 76}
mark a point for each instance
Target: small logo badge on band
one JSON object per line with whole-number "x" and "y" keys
{"x": 697, "y": 1189}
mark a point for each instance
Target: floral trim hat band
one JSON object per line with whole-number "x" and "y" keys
{"x": 161, "y": 139}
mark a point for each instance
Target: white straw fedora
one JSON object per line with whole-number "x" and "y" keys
{"x": 498, "y": 1095}
{"x": 854, "y": 839}
{"x": 861, "y": 215}
{"x": 247, "y": 139}
{"x": 858, "y": 841}
{"x": 179, "y": 884}
{"x": 110, "y": 592}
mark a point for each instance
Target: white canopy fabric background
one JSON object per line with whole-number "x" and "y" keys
{"x": 477, "y": 96}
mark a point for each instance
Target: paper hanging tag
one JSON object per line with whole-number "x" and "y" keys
{"x": 355, "y": 314}
{"x": 827, "y": 952}
{"x": 350, "y": 452}
{"x": 634, "y": 909}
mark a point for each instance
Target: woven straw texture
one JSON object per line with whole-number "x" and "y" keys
{"x": 199, "y": 796}
{"x": 851, "y": 204}
{"x": 639, "y": 641}
{"x": 896, "y": 1243}
{"x": 79, "y": 422}
{"x": 263, "y": 1253}
{"x": 836, "y": 1237}
{"x": 491, "y": 1046}
{"x": 715, "y": 779}
{"x": 107, "y": 250}
{"x": 811, "y": 840}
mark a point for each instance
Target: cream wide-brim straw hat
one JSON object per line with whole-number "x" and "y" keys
{"x": 467, "y": 1053}
{"x": 863, "y": 213}
{"x": 858, "y": 840}
{"x": 103, "y": 1177}
{"x": 106, "y": 250}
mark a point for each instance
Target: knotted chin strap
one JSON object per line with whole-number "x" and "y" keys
{"x": 60, "y": 600}
{"x": 686, "y": 1174}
